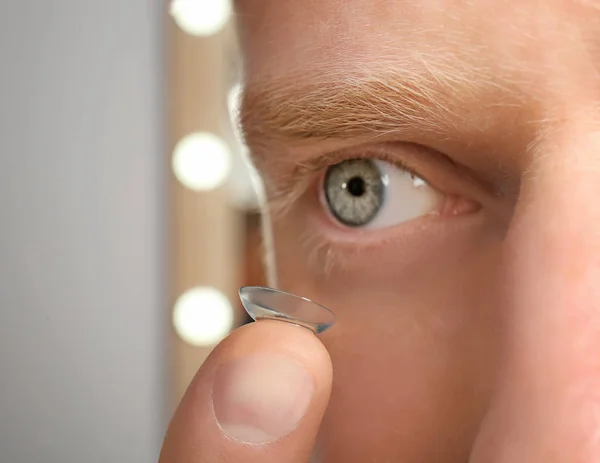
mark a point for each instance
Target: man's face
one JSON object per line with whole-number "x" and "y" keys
{"x": 433, "y": 171}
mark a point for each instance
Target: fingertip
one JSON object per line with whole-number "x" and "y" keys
{"x": 273, "y": 379}
{"x": 260, "y": 396}
{"x": 283, "y": 338}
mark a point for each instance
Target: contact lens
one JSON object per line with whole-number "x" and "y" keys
{"x": 267, "y": 303}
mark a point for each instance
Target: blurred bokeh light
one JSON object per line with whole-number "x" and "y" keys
{"x": 201, "y": 17}
{"x": 202, "y": 316}
{"x": 201, "y": 161}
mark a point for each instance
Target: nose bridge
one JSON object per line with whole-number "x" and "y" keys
{"x": 552, "y": 251}
{"x": 547, "y": 405}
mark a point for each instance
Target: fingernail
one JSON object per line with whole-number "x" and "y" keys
{"x": 262, "y": 398}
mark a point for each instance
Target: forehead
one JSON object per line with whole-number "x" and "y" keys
{"x": 279, "y": 36}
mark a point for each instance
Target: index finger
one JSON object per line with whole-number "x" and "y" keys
{"x": 259, "y": 397}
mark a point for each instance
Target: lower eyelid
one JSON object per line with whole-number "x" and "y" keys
{"x": 318, "y": 218}
{"x": 330, "y": 248}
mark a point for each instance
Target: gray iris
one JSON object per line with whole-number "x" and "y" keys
{"x": 354, "y": 191}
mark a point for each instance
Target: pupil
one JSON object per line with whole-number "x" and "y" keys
{"x": 356, "y": 186}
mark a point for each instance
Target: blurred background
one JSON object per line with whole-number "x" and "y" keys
{"x": 129, "y": 219}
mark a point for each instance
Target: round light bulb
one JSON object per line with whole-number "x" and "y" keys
{"x": 201, "y": 161}
{"x": 201, "y": 17}
{"x": 202, "y": 316}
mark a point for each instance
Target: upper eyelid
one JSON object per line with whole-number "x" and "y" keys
{"x": 416, "y": 159}
{"x": 330, "y": 159}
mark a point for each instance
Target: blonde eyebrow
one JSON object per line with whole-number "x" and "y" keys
{"x": 336, "y": 105}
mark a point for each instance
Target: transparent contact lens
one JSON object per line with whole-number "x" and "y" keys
{"x": 267, "y": 303}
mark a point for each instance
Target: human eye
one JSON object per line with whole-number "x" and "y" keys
{"x": 371, "y": 193}
{"x": 375, "y": 193}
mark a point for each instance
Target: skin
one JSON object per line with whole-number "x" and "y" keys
{"x": 468, "y": 335}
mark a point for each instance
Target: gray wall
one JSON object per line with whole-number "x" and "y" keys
{"x": 82, "y": 318}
